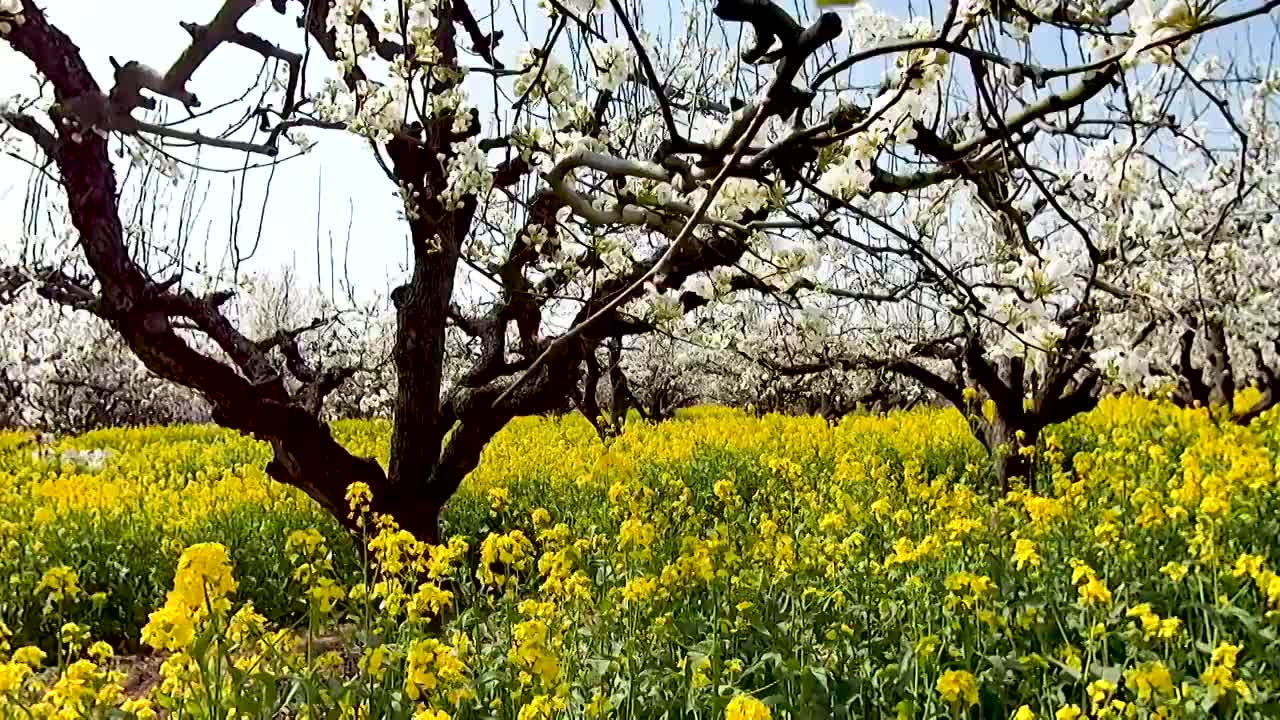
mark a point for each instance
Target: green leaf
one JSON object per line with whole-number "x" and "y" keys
{"x": 820, "y": 674}
{"x": 599, "y": 665}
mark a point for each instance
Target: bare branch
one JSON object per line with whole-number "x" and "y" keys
{"x": 28, "y": 126}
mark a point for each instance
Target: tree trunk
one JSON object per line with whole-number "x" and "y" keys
{"x": 1000, "y": 436}
{"x": 619, "y": 389}
{"x": 416, "y": 509}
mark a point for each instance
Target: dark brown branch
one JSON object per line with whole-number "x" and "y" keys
{"x": 481, "y": 44}
{"x": 126, "y": 93}
{"x": 768, "y": 20}
{"x": 30, "y": 127}
{"x": 289, "y": 334}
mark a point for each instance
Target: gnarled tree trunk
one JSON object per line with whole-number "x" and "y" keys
{"x": 1003, "y": 442}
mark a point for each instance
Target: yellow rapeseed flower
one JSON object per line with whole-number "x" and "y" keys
{"x": 745, "y": 707}
{"x": 1024, "y": 554}
{"x": 958, "y": 687}
{"x": 62, "y": 582}
{"x": 29, "y": 655}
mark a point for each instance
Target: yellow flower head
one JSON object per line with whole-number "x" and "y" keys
{"x": 140, "y": 708}
{"x": 745, "y": 707}
{"x": 29, "y": 655}
{"x": 1094, "y": 592}
{"x": 62, "y": 582}
{"x": 359, "y": 496}
{"x": 204, "y": 575}
{"x": 1149, "y": 680}
{"x": 1247, "y": 564}
{"x": 958, "y": 686}
{"x": 1100, "y": 690}
{"x": 1024, "y": 554}
{"x": 1175, "y": 571}
{"x": 1225, "y": 655}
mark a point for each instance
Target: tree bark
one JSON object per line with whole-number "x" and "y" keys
{"x": 619, "y": 389}
{"x": 1000, "y": 436}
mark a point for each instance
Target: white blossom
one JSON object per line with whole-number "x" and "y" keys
{"x": 613, "y": 62}
{"x": 468, "y": 173}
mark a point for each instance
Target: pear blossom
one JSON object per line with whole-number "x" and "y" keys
{"x": 613, "y": 62}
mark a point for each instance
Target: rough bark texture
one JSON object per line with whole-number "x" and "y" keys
{"x": 610, "y": 425}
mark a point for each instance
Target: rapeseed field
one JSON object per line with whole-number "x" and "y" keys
{"x": 718, "y": 565}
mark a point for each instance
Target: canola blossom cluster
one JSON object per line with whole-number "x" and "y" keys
{"x": 717, "y": 565}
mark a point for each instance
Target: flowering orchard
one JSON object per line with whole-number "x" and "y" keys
{"x": 65, "y": 371}
{"x": 713, "y": 565}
